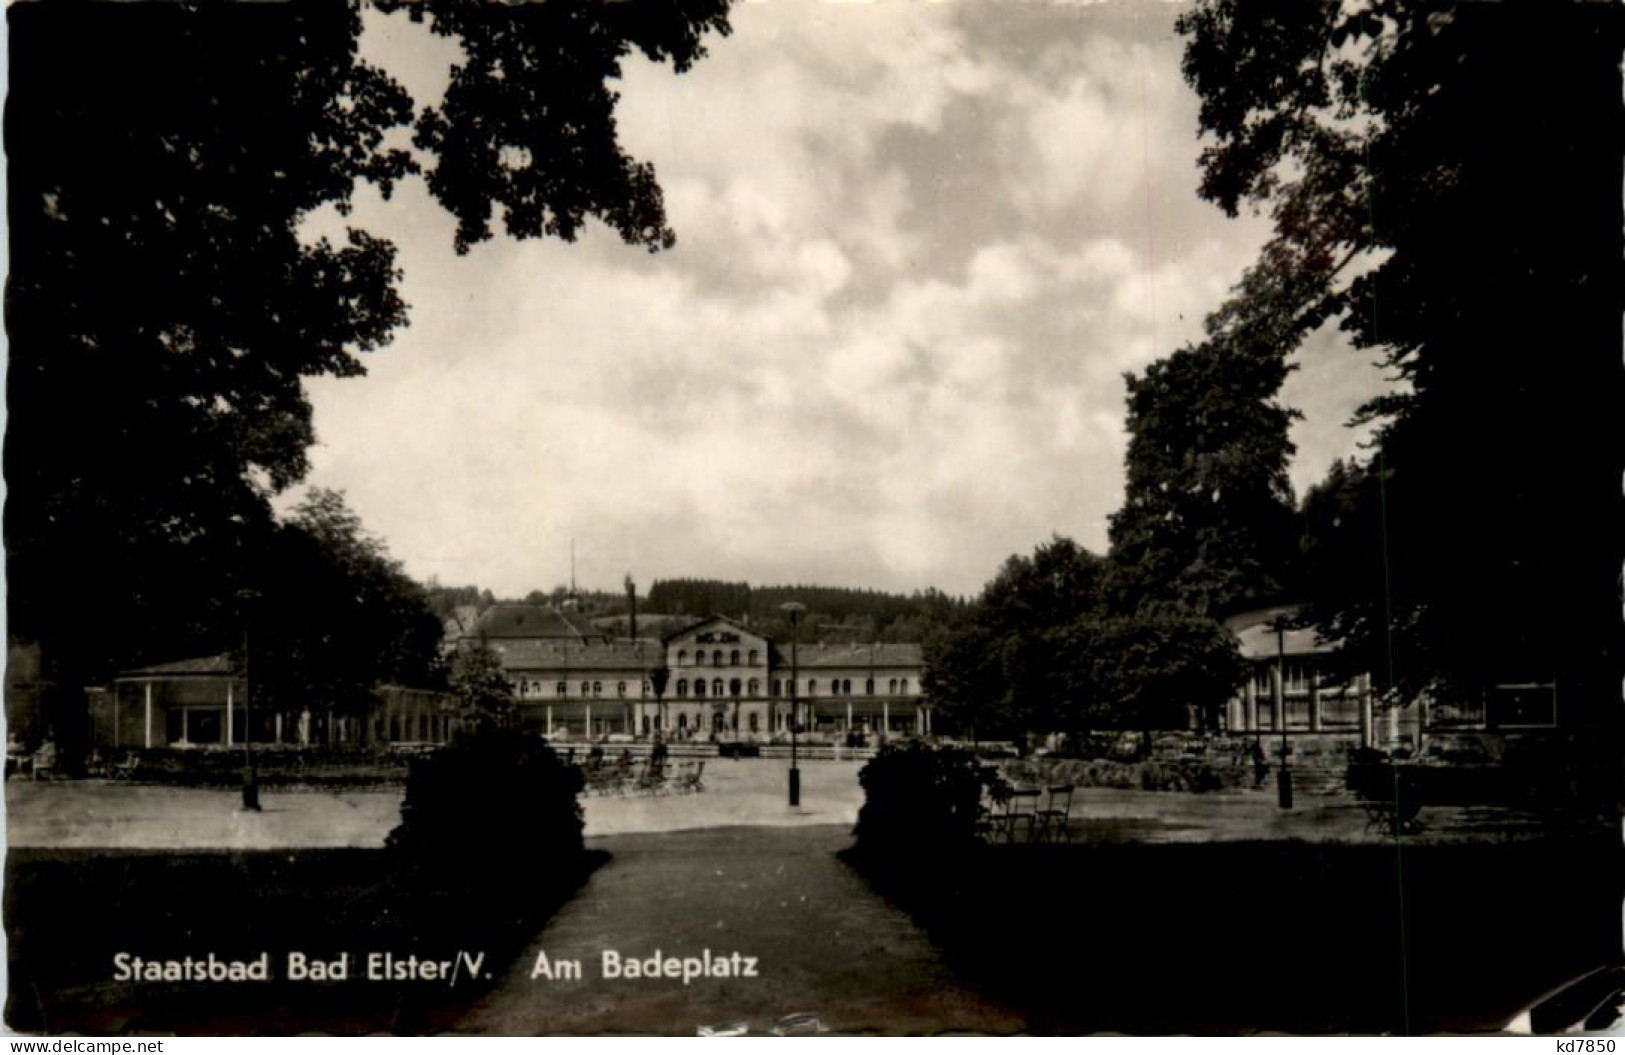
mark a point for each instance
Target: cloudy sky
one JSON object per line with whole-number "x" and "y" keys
{"x": 919, "y": 243}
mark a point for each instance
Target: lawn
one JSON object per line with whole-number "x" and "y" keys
{"x": 70, "y": 912}
{"x": 1241, "y": 937}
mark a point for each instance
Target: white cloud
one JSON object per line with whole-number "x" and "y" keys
{"x": 915, "y": 258}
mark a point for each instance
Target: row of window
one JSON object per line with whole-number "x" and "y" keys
{"x": 715, "y": 687}
{"x": 781, "y": 687}
{"x": 752, "y": 658}
{"x": 589, "y": 689}
{"x": 1298, "y": 677}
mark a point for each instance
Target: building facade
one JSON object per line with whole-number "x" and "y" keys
{"x": 204, "y": 703}
{"x": 723, "y": 681}
{"x": 1287, "y": 690}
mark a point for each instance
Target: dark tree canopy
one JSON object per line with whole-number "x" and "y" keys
{"x": 1145, "y": 672}
{"x": 336, "y": 615}
{"x": 1207, "y": 519}
{"x": 163, "y": 310}
{"x": 1466, "y": 156}
{"x": 990, "y": 674}
{"x": 1039, "y": 653}
{"x": 478, "y": 684}
{"x": 528, "y": 123}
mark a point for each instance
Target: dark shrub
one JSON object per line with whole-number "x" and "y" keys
{"x": 495, "y": 810}
{"x": 919, "y": 801}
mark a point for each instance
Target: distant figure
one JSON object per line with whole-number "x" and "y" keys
{"x": 625, "y": 760}
{"x": 596, "y": 755}
{"x": 658, "y": 755}
{"x": 1261, "y": 765}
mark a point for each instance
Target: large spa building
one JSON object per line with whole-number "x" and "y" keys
{"x": 722, "y": 679}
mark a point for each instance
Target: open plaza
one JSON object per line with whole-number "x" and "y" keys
{"x": 737, "y": 793}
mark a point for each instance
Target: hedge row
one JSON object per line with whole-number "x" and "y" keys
{"x": 1150, "y": 775}
{"x": 273, "y": 768}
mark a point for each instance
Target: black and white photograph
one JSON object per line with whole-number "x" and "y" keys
{"x": 814, "y": 518}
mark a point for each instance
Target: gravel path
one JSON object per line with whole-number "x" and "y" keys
{"x": 822, "y": 941}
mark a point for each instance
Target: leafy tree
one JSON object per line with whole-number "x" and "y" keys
{"x": 988, "y": 676}
{"x": 335, "y": 615}
{"x": 1444, "y": 179}
{"x": 1057, "y": 584}
{"x": 1142, "y": 672}
{"x": 162, "y": 308}
{"x": 527, "y": 125}
{"x": 478, "y": 684}
{"x": 1207, "y": 523}
{"x": 443, "y": 600}
{"x": 964, "y": 682}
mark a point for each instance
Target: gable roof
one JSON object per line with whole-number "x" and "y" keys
{"x": 561, "y": 656}
{"x": 216, "y": 665}
{"x": 815, "y": 656}
{"x": 710, "y": 619}
{"x": 1255, "y": 633}
{"x": 531, "y": 621}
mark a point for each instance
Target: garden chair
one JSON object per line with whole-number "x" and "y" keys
{"x": 692, "y": 780}
{"x": 990, "y": 811}
{"x": 1022, "y": 811}
{"x": 652, "y": 781}
{"x": 611, "y": 779}
{"x": 44, "y": 761}
{"x": 1054, "y": 817}
{"x": 624, "y": 774}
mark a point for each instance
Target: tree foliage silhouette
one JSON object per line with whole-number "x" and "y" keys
{"x": 1443, "y": 180}
{"x": 163, "y": 309}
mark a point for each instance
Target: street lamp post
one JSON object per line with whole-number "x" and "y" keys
{"x": 794, "y": 610}
{"x": 1284, "y": 778}
{"x": 251, "y": 784}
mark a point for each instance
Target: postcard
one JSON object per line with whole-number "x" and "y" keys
{"x": 790, "y": 517}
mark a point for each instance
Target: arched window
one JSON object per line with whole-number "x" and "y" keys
{"x": 869, "y": 687}
{"x": 753, "y": 688}
{"x": 699, "y": 686}
{"x": 716, "y": 686}
{"x": 753, "y": 655}
{"x": 734, "y": 687}
{"x": 902, "y": 686}
{"x": 846, "y": 687}
{"x": 733, "y": 658}
{"x": 597, "y": 688}
{"x": 682, "y": 686}
{"x": 561, "y": 689}
{"x": 716, "y": 658}
{"x": 682, "y": 657}
{"x": 812, "y": 686}
{"x": 620, "y": 688}
{"x": 682, "y": 722}
{"x": 753, "y": 725}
